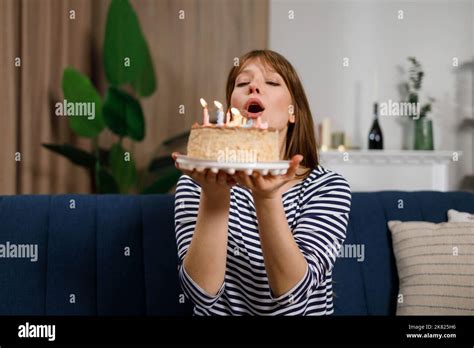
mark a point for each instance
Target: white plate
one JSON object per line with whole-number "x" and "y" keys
{"x": 264, "y": 168}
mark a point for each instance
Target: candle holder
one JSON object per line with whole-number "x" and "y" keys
{"x": 338, "y": 140}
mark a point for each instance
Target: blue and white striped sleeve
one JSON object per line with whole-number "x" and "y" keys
{"x": 186, "y": 210}
{"x": 319, "y": 232}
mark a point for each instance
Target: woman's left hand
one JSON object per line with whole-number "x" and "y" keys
{"x": 268, "y": 186}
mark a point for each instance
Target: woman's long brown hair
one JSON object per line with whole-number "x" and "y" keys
{"x": 300, "y": 137}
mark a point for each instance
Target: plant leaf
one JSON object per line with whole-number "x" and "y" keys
{"x": 126, "y": 56}
{"x": 77, "y": 88}
{"x": 168, "y": 178}
{"x": 75, "y": 155}
{"x": 123, "y": 114}
{"x": 413, "y": 98}
{"x": 104, "y": 181}
{"x": 122, "y": 167}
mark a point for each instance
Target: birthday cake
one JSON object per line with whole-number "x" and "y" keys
{"x": 239, "y": 140}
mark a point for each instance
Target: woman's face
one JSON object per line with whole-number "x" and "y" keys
{"x": 260, "y": 91}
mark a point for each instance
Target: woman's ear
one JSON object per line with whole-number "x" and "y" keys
{"x": 291, "y": 112}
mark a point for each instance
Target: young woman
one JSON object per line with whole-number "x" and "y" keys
{"x": 263, "y": 245}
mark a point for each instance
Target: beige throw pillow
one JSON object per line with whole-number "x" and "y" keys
{"x": 435, "y": 264}
{"x": 458, "y": 216}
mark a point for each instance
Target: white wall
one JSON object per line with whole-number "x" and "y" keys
{"x": 370, "y": 34}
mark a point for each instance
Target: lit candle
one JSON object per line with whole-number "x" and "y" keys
{"x": 259, "y": 122}
{"x": 227, "y": 118}
{"x": 205, "y": 120}
{"x": 237, "y": 120}
{"x": 249, "y": 123}
{"x": 243, "y": 120}
{"x": 220, "y": 113}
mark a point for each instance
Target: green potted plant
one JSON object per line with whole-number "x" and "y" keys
{"x": 423, "y": 139}
{"x": 127, "y": 62}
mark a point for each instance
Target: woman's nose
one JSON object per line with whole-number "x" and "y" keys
{"x": 253, "y": 88}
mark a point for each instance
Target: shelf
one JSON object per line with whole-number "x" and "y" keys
{"x": 389, "y": 157}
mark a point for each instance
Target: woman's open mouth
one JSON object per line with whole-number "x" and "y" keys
{"x": 254, "y": 108}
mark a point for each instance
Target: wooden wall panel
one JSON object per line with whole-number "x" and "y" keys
{"x": 50, "y": 41}
{"x": 9, "y": 94}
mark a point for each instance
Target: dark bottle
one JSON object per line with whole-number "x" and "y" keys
{"x": 375, "y": 135}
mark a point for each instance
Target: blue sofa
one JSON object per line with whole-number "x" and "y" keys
{"x": 116, "y": 254}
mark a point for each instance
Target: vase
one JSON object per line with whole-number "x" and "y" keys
{"x": 424, "y": 134}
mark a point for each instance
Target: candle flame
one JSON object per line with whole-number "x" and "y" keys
{"x": 218, "y": 105}
{"x": 203, "y": 103}
{"x": 235, "y": 112}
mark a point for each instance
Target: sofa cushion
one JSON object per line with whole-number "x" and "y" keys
{"x": 348, "y": 287}
{"x": 435, "y": 264}
{"x": 163, "y": 292}
{"x": 458, "y": 216}
{"x": 71, "y": 256}
{"x": 24, "y": 220}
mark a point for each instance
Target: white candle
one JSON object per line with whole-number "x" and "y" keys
{"x": 220, "y": 113}
{"x": 326, "y": 133}
{"x": 237, "y": 120}
{"x": 205, "y": 118}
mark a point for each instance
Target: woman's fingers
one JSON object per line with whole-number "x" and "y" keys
{"x": 258, "y": 179}
{"x": 231, "y": 181}
{"x": 295, "y": 162}
{"x": 238, "y": 178}
{"x": 174, "y": 155}
{"x": 211, "y": 177}
{"x": 244, "y": 180}
{"x": 199, "y": 176}
{"x": 249, "y": 181}
{"x": 254, "y": 177}
{"x": 206, "y": 176}
{"x": 222, "y": 178}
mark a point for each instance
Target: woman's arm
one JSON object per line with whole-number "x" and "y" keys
{"x": 284, "y": 262}
{"x": 297, "y": 260}
{"x": 204, "y": 257}
{"x": 205, "y": 261}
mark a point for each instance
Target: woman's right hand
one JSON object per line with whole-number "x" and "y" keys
{"x": 214, "y": 184}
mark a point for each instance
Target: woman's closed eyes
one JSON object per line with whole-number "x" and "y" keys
{"x": 271, "y": 83}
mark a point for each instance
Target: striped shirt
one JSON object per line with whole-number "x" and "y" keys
{"x": 317, "y": 211}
